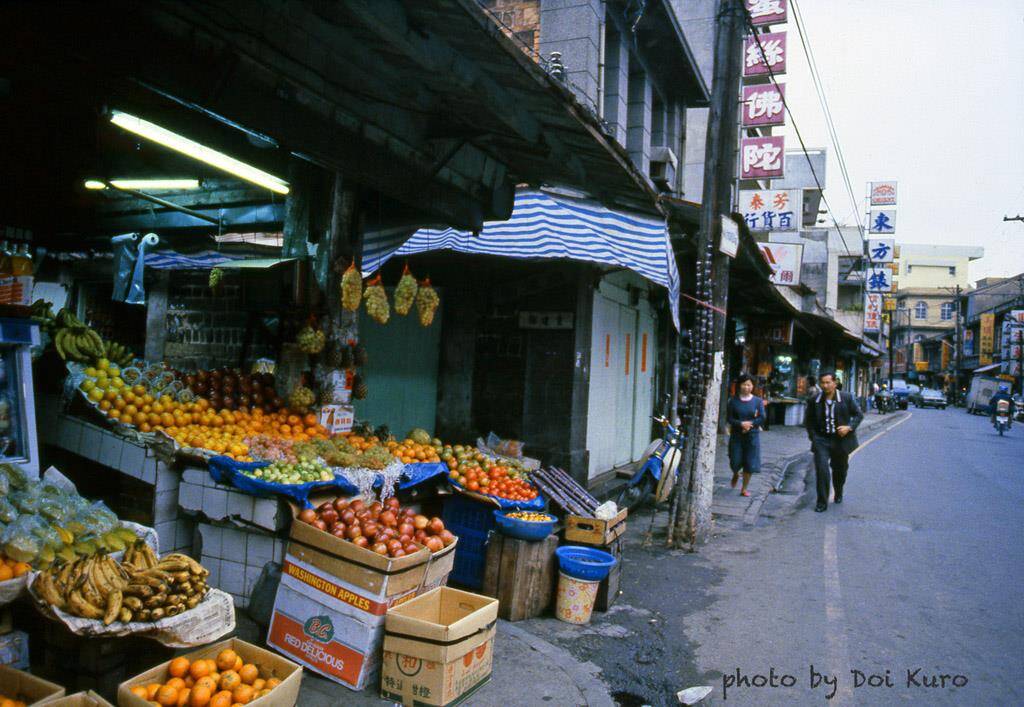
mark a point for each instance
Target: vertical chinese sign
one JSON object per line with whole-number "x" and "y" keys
{"x": 986, "y": 339}
{"x": 872, "y": 312}
{"x": 764, "y": 106}
{"x": 762, "y": 157}
{"x": 766, "y": 12}
{"x": 764, "y": 55}
{"x": 882, "y": 193}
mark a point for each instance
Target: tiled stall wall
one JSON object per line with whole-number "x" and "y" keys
{"x": 235, "y": 557}
{"x": 207, "y": 329}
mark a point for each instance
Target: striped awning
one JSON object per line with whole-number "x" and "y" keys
{"x": 545, "y": 225}
{"x": 171, "y": 260}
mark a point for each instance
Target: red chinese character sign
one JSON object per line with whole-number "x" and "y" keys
{"x": 766, "y": 12}
{"x": 762, "y": 157}
{"x": 763, "y": 53}
{"x": 872, "y": 312}
{"x": 763, "y": 106}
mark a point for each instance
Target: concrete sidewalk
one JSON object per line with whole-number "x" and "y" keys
{"x": 781, "y": 449}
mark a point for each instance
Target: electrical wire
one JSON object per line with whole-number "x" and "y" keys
{"x": 803, "y": 146}
{"x": 819, "y": 86}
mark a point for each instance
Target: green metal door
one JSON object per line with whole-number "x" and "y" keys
{"x": 401, "y": 372}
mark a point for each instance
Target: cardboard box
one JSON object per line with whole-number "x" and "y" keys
{"x": 438, "y": 648}
{"x": 270, "y": 664}
{"x": 333, "y": 597}
{"x": 19, "y": 685}
{"x": 14, "y": 650}
{"x": 330, "y": 605}
{"x": 79, "y": 699}
{"x": 593, "y": 531}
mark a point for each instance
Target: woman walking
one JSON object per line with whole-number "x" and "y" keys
{"x": 745, "y": 415}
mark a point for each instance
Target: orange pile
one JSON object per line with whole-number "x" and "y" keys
{"x": 197, "y": 424}
{"x": 410, "y": 452}
{"x": 225, "y": 682}
{"x": 8, "y": 702}
{"x": 10, "y": 569}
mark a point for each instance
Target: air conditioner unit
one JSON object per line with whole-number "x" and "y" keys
{"x": 663, "y": 168}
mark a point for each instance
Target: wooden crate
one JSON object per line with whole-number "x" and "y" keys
{"x": 521, "y": 575}
{"x": 608, "y": 590}
{"x": 592, "y": 531}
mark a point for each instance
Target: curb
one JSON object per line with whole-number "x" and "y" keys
{"x": 779, "y": 473}
{"x": 583, "y": 675}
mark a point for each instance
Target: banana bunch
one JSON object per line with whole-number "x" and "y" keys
{"x": 43, "y": 311}
{"x": 119, "y": 354}
{"x": 140, "y": 589}
{"x": 91, "y": 588}
{"x": 76, "y": 341}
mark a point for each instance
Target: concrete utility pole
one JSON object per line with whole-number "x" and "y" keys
{"x": 956, "y": 350}
{"x": 698, "y": 471}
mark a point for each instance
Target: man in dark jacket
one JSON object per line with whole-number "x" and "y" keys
{"x": 831, "y": 418}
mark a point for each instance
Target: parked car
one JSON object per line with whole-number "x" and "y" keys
{"x": 929, "y": 397}
{"x": 901, "y": 393}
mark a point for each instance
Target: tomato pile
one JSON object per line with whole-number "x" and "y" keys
{"x": 385, "y": 528}
{"x": 495, "y": 480}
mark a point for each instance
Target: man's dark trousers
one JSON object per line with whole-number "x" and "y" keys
{"x": 828, "y": 450}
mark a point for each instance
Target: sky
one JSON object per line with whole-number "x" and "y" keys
{"x": 928, "y": 93}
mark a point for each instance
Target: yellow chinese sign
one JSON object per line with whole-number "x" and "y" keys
{"x": 921, "y": 366}
{"x": 987, "y": 338}
{"x": 890, "y": 304}
{"x": 945, "y": 355}
{"x": 919, "y": 354}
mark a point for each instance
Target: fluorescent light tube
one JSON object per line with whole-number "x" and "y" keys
{"x": 145, "y": 184}
{"x": 165, "y": 137}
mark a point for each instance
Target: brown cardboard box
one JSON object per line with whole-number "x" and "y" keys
{"x": 270, "y": 664}
{"x": 79, "y": 699}
{"x": 438, "y": 648}
{"x": 19, "y": 685}
{"x": 333, "y": 596}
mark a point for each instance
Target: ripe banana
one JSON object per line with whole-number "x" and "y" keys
{"x": 80, "y": 607}
{"x": 113, "y": 607}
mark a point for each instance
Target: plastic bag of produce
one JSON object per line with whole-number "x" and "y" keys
{"x": 8, "y": 513}
{"x": 377, "y": 301}
{"x": 19, "y": 542}
{"x": 427, "y": 300}
{"x": 16, "y": 478}
{"x": 27, "y": 500}
{"x": 96, "y": 519}
{"x": 405, "y": 292}
{"x": 351, "y": 288}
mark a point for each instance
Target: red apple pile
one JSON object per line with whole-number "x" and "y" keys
{"x": 385, "y": 528}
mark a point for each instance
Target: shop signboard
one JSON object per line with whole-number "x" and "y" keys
{"x": 878, "y": 279}
{"x": 1016, "y": 315}
{"x": 881, "y": 250}
{"x": 968, "y": 342}
{"x": 764, "y": 106}
{"x": 775, "y": 332}
{"x": 882, "y": 193}
{"x": 772, "y": 209}
{"x": 766, "y": 12}
{"x": 890, "y": 304}
{"x": 946, "y": 346}
{"x": 729, "y": 243}
{"x": 882, "y": 221}
{"x": 872, "y": 312}
{"x": 785, "y": 260}
{"x": 763, "y": 157}
{"x": 986, "y": 339}
{"x": 764, "y": 53}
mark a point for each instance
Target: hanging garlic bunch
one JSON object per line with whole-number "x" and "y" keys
{"x": 405, "y": 292}
{"x": 377, "y": 301}
{"x": 426, "y": 302}
{"x": 351, "y": 288}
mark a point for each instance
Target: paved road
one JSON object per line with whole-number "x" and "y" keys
{"x": 920, "y": 569}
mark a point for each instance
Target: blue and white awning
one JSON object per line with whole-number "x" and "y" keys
{"x": 171, "y": 260}
{"x": 545, "y": 225}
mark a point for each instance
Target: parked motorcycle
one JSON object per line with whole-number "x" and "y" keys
{"x": 657, "y": 469}
{"x": 884, "y": 402}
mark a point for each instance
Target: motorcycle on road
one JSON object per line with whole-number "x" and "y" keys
{"x": 1002, "y": 416}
